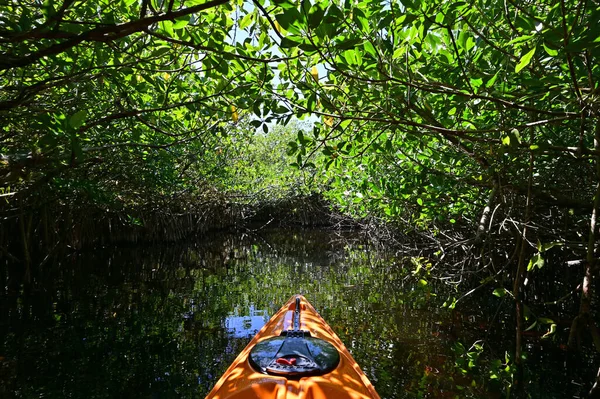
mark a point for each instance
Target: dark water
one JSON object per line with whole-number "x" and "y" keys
{"x": 166, "y": 321}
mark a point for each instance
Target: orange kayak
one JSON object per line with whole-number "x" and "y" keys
{"x": 296, "y": 355}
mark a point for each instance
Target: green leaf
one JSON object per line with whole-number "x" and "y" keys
{"x": 370, "y": 49}
{"x": 520, "y": 39}
{"x": 311, "y": 103}
{"x": 301, "y": 138}
{"x": 77, "y": 119}
{"x": 246, "y": 21}
{"x": 315, "y": 16}
{"x": 526, "y": 312}
{"x": 358, "y": 56}
{"x": 452, "y": 305}
{"x": 544, "y": 247}
{"x": 409, "y": 4}
{"x": 545, "y": 320}
{"x": 287, "y": 42}
{"x": 167, "y": 27}
{"x": 499, "y": 292}
{"x": 25, "y": 20}
{"x": 350, "y": 57}
{"x": 551, "y": 52}
{"x": 550, "y": 332}
{"x": 348, "y": 44}
{"x": 76, "y": 147}
{"x": 48, "y": 9}
{"x": 525, "y": 60}
{"x": 181, "y": 22}
{"x": 535, "y": 261}
{"x": 531, "y": 327}
{"x": 48, "y": 140}
{"x": 157, "y": 53}
{"x": 476, "y": 83}
{"x": 288, "y": 19}
{"x": 491, "y": 82}
{"x": 398, "y": 52}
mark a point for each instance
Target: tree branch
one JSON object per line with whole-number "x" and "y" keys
{"x": 103, "y": 34}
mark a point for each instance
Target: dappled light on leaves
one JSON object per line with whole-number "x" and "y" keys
{"x": 456, "y": 129}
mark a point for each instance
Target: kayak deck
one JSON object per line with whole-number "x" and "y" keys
{"x": 347, "y": 380}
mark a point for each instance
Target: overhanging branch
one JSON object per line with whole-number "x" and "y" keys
{"x": 101, "y": 34}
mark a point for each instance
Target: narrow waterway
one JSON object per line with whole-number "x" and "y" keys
{"x": 166, "y": 321}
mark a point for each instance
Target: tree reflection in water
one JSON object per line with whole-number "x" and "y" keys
{"x": 166, "y": 321}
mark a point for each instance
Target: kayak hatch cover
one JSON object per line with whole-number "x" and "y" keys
{"x": 296, "y": 355}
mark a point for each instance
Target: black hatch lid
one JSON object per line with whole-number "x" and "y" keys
{"x": 294, "y": 353}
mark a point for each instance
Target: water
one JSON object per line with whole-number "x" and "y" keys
{"x": 166, "y": 321}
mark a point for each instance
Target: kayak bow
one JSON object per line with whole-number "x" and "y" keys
{"x": 296, "y": 355}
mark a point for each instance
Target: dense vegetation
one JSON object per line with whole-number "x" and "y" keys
{"x": 473, "y": 125}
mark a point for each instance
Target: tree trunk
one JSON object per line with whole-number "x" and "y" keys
{"x": 595, "y": 391}
{"x": 583, "y": 320}
{"x": 485, "y": 216}
{"x": 25, "y": 243}
{"x": 518, "y": 387}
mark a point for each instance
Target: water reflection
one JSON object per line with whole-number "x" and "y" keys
{"x": 248, "y": 325}
{"x": 162, "y": 322}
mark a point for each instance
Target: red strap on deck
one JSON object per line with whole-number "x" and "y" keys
{"x": 288, "y": 362}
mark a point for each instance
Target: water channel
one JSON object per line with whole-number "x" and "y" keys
{"x": 166, "y": 321}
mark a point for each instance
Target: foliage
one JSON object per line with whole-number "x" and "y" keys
{"x": 424, "y": 113}
{"x": 437, "y": 103}
{"x": 123, "y": 101}
{"x": 420, "y": 115}
{"x": 256, "y": 169}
